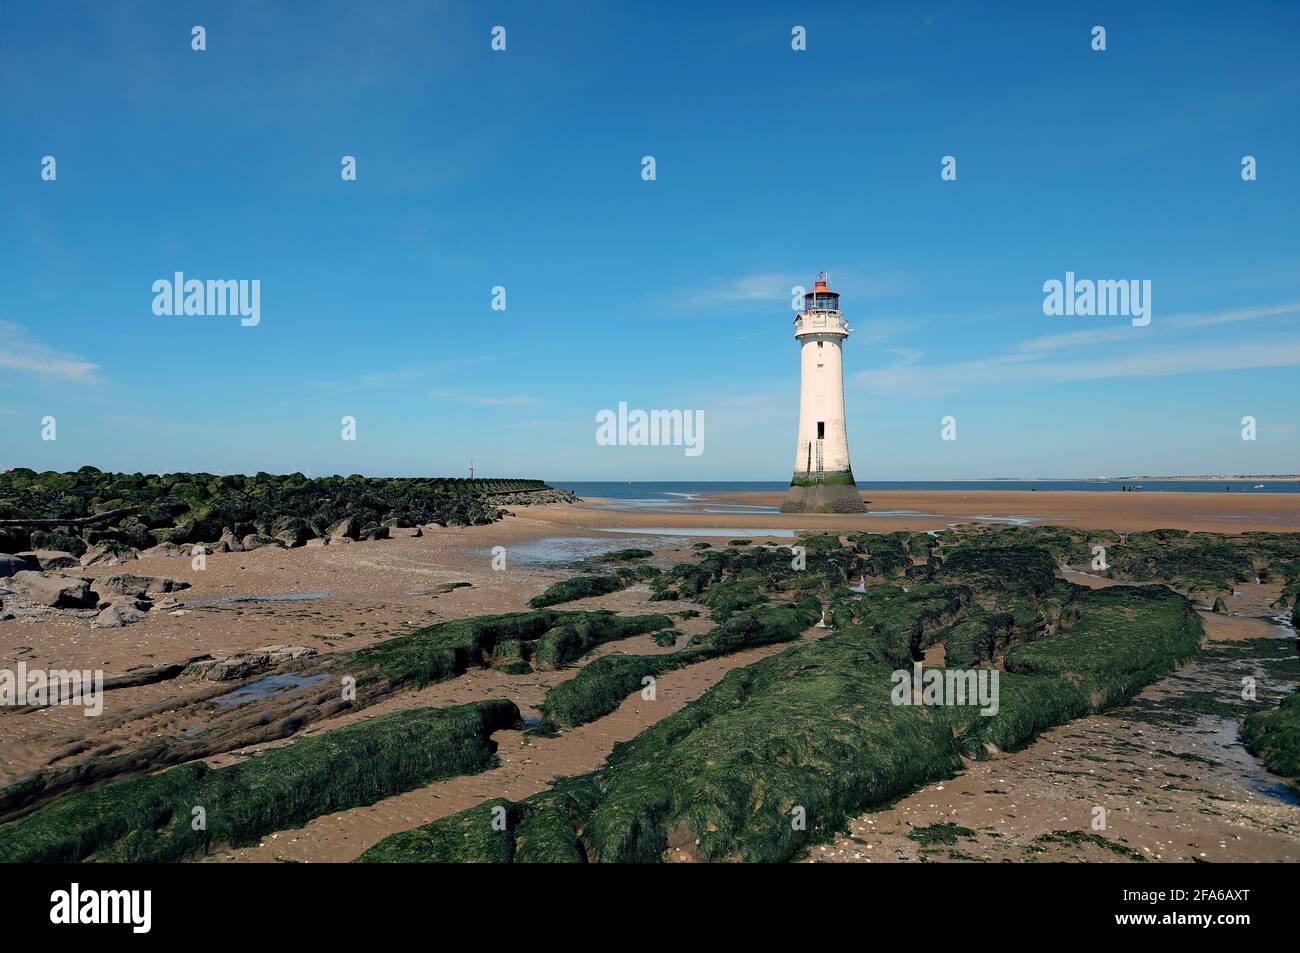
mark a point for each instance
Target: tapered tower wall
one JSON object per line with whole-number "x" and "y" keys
{"x": 823, "y": 476}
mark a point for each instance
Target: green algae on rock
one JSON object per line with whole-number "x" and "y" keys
{"x": 1273, "y": 736}
{"x": 156, "y": 817}
{"x": 511, "y": 641}
{"x": 602, "y": 685}
{"x": 198, "y": 507}
{"x": 812, "y": 733}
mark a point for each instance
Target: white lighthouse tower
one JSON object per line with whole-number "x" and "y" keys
{"x": 823, "y": 478}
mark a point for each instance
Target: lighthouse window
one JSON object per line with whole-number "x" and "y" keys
{"x": 819, "y": 343}
{"x": 821, "y": 430}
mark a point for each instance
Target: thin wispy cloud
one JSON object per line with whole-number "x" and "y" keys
{"x": 937, "y": 380}
{"x": 1086, "y": 355}
{"x": 397, "y": 377}
{"x": 904, "y": 355}
{"x": 21, "y": 353}
{"x": 1174, "y": 322}
{"x": 770, "y": 286}
{"x": 1076, "y": 339}
{"x": 483, "y": 400}
{"x": 778, "y": 287}
{"x": 1290, "y": 309}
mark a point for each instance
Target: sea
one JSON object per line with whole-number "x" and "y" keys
{"x": 667, "y": 492}
{"x": 701, "y": 498}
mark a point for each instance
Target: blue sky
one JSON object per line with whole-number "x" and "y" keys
{"x": 523, "y": 169}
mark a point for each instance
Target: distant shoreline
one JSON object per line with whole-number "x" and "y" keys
{"x": 1273, "y": 477}
{"x": 649, "y": 490}
{"x": 1277, "y": 478}
{"x": 1123, "y": 512}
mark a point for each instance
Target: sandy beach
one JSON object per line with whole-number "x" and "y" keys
{"x": 349, "y": 596}
{"x": 1122, "y": 512}
{"x": 920, "y": 510}
{"x": 338, "y": 597}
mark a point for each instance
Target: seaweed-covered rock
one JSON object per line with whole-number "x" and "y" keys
{"x": 59, "y": 540}
{"x": 143, "y": 510}
{"x": 130, "y": 531}
{"x": 625, "y": 555}
{"x": 603, "y": 685}
{"x": 1000, "y": 569}
{"x": 734, "y": 594}
{"x": 190, "y": 530}
{"x": 292, "y": 531}
{"x": 576, "y": 634}
{"x": 148, "y": 819}
{"x": 978, "y": 639}
{"x": 579, "y": 587}
{"x": 815, "y": 729}
{"x": 1192, "y": 561}
{"x": 411, "y": 661}
{"x": 1114, "y": 641}
{"x": 1273, "y": 736}
{"x": 540, "y": 830}
{"x": 448, "y": 649}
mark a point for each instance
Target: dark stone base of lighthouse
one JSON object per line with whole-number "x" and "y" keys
{"x": 834, "y": 493}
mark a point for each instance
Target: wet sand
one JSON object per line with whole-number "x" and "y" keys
{"x": 1175, "y": 793}
{"x": 377, "y": 589}
{"x": 373, "y": 590}
{"x": 1122, "y": 512}
{"x": 527, "y": 765}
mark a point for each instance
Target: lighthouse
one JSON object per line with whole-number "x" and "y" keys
{"x": 823, "y": 478}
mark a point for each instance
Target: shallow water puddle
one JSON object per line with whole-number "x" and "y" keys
{"x": 743, "y": 533}
{"x": 265, "y": 687}
{"x": 275, "y": 597}
{"x": 570, "y": 549}
{"x": 683, "y": 503}
{"x": 1252, "y": 775}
